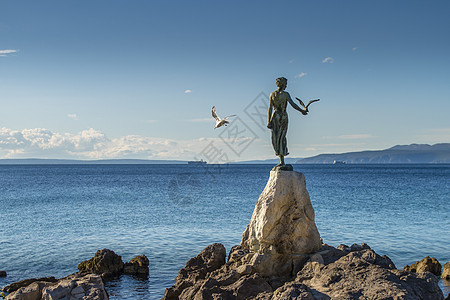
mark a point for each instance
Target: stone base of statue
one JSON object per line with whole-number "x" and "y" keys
{"x": 282, "y": 230}
{"x": 283, "y": 167}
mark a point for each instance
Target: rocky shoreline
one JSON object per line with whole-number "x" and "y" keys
{"x": 344, "y": 272}
{"x": 87, "y": 283}
{"x": 355, "y": 272}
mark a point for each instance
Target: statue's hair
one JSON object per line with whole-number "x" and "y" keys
{"x": 280, "y": 80}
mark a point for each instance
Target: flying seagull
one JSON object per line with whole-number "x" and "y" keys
{"x": 303, "y": 104}
{"x": 219, "y": 121}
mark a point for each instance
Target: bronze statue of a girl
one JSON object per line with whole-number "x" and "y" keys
{"x": 278, "y": 120}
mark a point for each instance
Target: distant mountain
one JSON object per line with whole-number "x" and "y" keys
{"x": 43, "y": 161}
{"x": 414, "y": 153}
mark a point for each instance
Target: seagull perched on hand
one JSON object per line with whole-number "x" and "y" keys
{"x": 219, "y": 121}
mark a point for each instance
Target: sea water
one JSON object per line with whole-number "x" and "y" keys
{"x": 55, "y": 216}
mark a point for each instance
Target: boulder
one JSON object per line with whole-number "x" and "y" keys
{"x": 105, "y": 263}
{"x": 355, "y": 272}
{"x": 427, "y": 264}
{"x": 196, "y": 269}
{"x": 138, "y": 266}
{"x": 363, "y": 274}
{"x": 29, "y": 292}
{"x": 446, "y": 271}
{"x": 2, "y": 273}
{"x": 76, "y": 286}
{"x": 23, "y": 283}
{"x": 283, "y": 218}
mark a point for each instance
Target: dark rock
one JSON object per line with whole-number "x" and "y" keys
{"x": 355, "y": 272}
{"x": 366, "y": 275}
{"x": 427, "y": 264}
{"x": 2, "y": 273}
{"x": 446, "y": 271}
{"x": 138, "y": 266}
{"x": 237, "y": 252}
{"x": 23, "y": 283}
{"x": 196, "y": 269}
{"x": 359, "y": 247}
{"x": 293, "y": 290}
{"x": 249, "y": 286}
{"x": 105, "y": 263}
{"x": 343, "y": 247}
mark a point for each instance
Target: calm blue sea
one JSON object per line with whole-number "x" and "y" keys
{"x": 55, "y": 216}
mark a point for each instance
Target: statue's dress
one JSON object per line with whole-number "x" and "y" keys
{"x": 279, "y": 123}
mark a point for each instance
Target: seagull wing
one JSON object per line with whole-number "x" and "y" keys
{"x": 213, "y": 112}
{"x": 301, "y": 103}
{"x": 312, "y": 101}
{"x": 228, "y": 117}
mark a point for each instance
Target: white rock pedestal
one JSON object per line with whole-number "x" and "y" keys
{"x": 282, "y": 228}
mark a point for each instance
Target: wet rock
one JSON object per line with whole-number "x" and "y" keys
{"x": 138, "y": 266}
{"x": 76, "y": 286}
{"x": 105, "y": 263}
{"x": 283, "y": 218}
{"x": 2, "y": 273}
{"x": 446, "y": 271}
{"x": 427, "y": 264}
{"x": 23, "y": 283}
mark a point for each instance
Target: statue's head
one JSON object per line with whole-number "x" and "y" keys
{"x": 281, "y": 82}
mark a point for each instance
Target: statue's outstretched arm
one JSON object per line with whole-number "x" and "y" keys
{"x": 292, "y": 103}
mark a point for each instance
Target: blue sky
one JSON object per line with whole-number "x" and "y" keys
{"x": 137, "y": 79}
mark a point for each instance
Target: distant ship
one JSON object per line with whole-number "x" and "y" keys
{"x": 339, "y": 162}
{"x": 197, "y": 162}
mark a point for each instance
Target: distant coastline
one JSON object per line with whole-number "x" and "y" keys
{"x": 400, "y": 154}
{"x": 45, "y": 161}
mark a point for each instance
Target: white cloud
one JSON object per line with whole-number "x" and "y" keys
{"x": 187, "y": 91}
{"x": 355, "y": 136}
{"x": 92, "y": 144}
{"x": 73, "y": 116}
{"x": 328, "y": 60}
{"x": 6, "y": 52}
{"x": 302, "y": 74}
{"x": 354, "y": 48}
